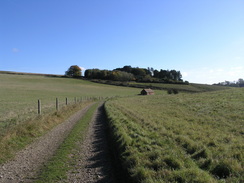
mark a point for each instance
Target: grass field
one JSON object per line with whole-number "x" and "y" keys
{"x": 181, "y": 138}
{"x": 193, "y": 88}
{"x": 189, "y": 88}
{"x": 19, "y": 94}
{"x": 19, "y": 122}
{"x": 189, "y": 137}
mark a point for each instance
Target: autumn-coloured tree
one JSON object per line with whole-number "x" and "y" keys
{"x": 73, "y": 71}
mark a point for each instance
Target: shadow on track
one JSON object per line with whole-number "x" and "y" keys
{"x": 104, "y": 156}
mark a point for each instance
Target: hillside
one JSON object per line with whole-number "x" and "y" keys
{"x": 189, "y": 88}
{"x": 19, "y": 93}
{"x": 180, "y": 138}
{"x": 193, "y": 136}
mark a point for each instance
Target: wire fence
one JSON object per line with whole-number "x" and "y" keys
{"x": 41, "y": 107}
{"x": 58, "y": 104}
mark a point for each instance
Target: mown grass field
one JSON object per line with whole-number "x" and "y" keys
{"x": 19, "y": 94}
{"x": 180, "y": 138}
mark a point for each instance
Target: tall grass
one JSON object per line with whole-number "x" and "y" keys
{"x": 20, "y": 135}
{"x": 181, "y": 138}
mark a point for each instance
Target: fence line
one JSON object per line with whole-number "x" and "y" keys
{"x": 76, "y": 101}
{"x": 39, "y": 106}
{"x": 57, "y": 105}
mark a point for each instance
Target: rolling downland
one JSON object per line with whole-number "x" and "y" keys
{"x": 85, "y": 148}
{"x": 180, "y": 138}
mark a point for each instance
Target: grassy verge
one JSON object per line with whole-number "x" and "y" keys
{"x": 57, "y": 167}
{"x": 180, "y": 138}
{"x": 17, "y": 137}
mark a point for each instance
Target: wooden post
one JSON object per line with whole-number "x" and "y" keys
{"x": 57, "y": 104}
{"x": 39, "y": 106}
{"x": 75, "y": 100}
{"x": 66, "y": 101}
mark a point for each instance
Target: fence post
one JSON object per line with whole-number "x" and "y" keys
{"x": 57, "y": 104}
{"x": 39, "y": 106}
{"x": 66, "y": 101}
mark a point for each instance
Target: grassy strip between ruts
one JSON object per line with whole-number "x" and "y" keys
{"x": 57, "y": 167}
{"x": 17, "y": 137}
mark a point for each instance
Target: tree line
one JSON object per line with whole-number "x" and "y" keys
{"x": 128, "y": 73}
{"x": 238, "y": 83}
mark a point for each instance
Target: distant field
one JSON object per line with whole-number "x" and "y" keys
{"x": 190, "y": 88}
{"x": 180, "y": 87}
{"x": 181, "y": 138}
{"x": 19, "y": 94}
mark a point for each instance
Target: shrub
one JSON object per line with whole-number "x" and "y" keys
{"x": 170, "y": 91}
{"x": 175, "y": 91}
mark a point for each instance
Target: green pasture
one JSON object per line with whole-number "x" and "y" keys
{"x": 19, "y": 94}
{"x": 181, "y": 138}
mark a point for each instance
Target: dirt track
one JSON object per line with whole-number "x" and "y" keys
{"x": 93, "y": 163}
{"x": 26, "y": 163}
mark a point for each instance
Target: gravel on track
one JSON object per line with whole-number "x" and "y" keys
{"x": 93, "y": 163}
{"x": 27, "y": 162}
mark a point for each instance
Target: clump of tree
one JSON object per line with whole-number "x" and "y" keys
{"x": 172, "y": 91}
{"x": 114, "y": 75}
{"x": 139, "y": 73}
{"x": 73, "y": 71}
{"x": 238, "y": 83}
{"x": 153, "y": 75}
{"x": 128, "y": 73}
{"x": 167, "y": 76}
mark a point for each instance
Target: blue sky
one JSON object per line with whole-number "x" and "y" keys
{"x": 204, "y": 39}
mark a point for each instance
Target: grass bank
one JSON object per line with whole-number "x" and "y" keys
{"x": 17, "y": 137}
{"x": 57, "y": 167}
{"x": 180, "y": 138}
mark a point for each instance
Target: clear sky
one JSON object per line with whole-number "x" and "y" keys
{"x": 204, "y": 39}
